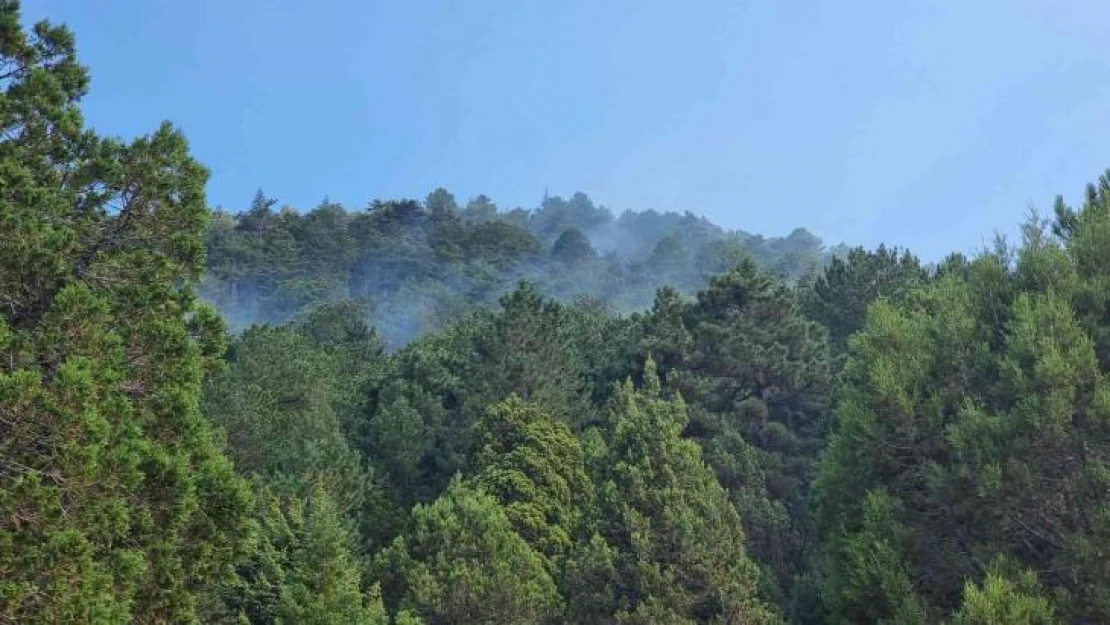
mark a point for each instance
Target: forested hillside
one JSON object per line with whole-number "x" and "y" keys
{"x": 418, "y": 265}
{"x": 465, "y": 415}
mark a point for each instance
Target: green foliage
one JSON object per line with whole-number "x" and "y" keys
{"x": 117, "y": 503}
{"x": 463, "y": 563}
{"x": 323, "y": 583}
{"x": 423, "y": 265}
{"x": 871, "y": 583}
{"x": 868, "y": 442}
{"x": 676, "y": 536}
{"x": 1005, "y": 598}
{"x": 290, "y": 400}
{"x": 303, "y": 568}
{"x": 572, "y": 247}
{"x": 422, "y": 424}
{"x": 839, "y": 296}
{"x": 278, "y": 401}
{"x": 757, "y": 376}
{"x": 534, "y": 466}
{"x": 399, "y": 437}
{"x": 977, "y": 406}
{"x": 590, "y": 582}
{"x": 530, "y": 351}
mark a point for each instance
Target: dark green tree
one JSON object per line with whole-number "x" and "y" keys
{"x": 572, "y": 247}
{"x": 757, "y": 376}
{"x": 839, "y": 296}
{"x": 529, "y": 351}
{"x": 304, "y": 568}
{"x": 277, "y": 402}
{"x": 480, "y": 210}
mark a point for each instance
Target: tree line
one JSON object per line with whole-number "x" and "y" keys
{"x": 417, "y": 266}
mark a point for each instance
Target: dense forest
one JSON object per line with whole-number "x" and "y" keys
{"x": 415, "y": 266}
{"x": 421, "y": 412}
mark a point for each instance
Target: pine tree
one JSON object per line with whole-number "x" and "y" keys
{"x": 529, "y": 352}
{"x": 304, "y": 567}
{"x": 277, "y": 402}
{"x": 463, "y": 563}
{"x": 572, "y": 247}
{"x": 323, "y": 583}
{"x": 839, "y": 296}
{"x": 757, "y": 376}
{"x": 677, "y": 538}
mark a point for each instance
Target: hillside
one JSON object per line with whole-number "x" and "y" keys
{"x": 416, "y": 265}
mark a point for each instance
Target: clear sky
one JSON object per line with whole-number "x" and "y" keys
{"x": 927, "y": 123}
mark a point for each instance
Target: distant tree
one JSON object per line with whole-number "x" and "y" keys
{"x": 556, "y": 215}
{"x": 325, "y": 246}
{"x": 501, "y": 245}
{"x": 441, "y": 201}
{"x": 444, "y": 262}
{"x": 445, "y": 235}
{"x": 572, "y": 247}
{"x": 480, "y": 210}
{"x": 259, "y": 215}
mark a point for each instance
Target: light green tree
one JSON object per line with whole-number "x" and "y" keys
{"x": 534, "y": 466}
{"x": 678, "y": 541}
{"x": 1005, "y": 598}
{"x": 463, "y": 563}
{"x": 323, "y": 583}
{"x": 978, "y": 407}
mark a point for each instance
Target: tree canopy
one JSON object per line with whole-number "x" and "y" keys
{"x": 440, "y": 411}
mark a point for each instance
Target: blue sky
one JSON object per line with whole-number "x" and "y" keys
{"x": 921, "y": 123}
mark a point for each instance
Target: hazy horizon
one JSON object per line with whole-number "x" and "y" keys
{"x": 921, "y": 126}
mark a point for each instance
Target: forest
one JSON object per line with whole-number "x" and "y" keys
{"x": 442, "y": 411}
{"x": 415, "y": 266}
